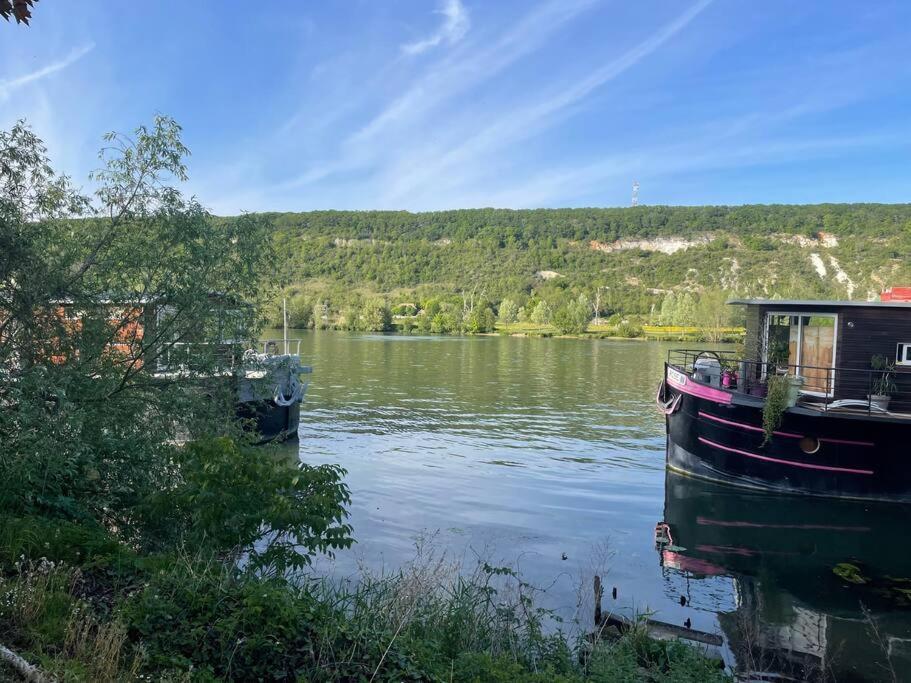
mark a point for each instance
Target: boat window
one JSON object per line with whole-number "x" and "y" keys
{"x": 782, "y": 348}
{"x": 805, "y": 344}
{"x": 809, "y": 444}
{"x": 903, "y": 354}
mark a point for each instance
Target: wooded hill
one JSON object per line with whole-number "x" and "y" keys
{"x": 634, "y": 256}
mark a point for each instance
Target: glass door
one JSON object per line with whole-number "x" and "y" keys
{"x": 817, "y": 352}
{"x": 805, "y": 344}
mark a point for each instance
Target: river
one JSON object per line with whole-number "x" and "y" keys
{"x": 548, "y": 455}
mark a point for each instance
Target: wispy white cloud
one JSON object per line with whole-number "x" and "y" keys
{"x": 454, "y": 27}
{"x": 577, "y": 117}
{"x": 473, "y": 66}
{"x": 568, "y": 183}
{"x": 525, "y": 120}
{"x": 442, "y": 83}
{"x": 7, "y": 86}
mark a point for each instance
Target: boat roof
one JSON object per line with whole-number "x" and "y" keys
{"x": 812, "y": 303}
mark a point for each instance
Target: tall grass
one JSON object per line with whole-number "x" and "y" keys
{"x": 434, "y": 619}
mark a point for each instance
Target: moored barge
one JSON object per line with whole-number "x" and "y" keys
{"x": 818, "y": 403}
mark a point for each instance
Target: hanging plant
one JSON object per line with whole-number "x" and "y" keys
{"x": 776, "y": 403}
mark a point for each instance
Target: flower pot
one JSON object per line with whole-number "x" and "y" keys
{"x": 795, "y": 384}
{"x": 880, "y": 400}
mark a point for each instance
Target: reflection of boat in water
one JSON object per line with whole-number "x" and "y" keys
{"x": 812, "y": 578}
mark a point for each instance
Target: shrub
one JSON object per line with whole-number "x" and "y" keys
{"x": 776, "y": 402}
{"x": 572, "y": 318}
{"x": 375, "y": 316}
{"x": 629, "y": 330}
{"x": 481, "y": 319}
{"x": 221, "y": 625}
{"x": 300, "y": 312}
{"x": 230, "y": 499}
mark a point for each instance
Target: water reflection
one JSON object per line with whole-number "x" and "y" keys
{"x": 819, "y": 587}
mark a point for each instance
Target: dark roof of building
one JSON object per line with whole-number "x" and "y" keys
{"x": 807, "y": 303}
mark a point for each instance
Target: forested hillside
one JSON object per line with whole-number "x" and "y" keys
{"x": 615, "y": 261}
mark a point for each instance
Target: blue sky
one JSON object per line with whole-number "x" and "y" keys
{"x": 436, "y": 104}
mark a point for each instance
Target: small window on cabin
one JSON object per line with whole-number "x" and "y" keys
{"x": 903, "y": 354}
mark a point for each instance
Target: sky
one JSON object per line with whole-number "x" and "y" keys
{"x": 441, "y": 104}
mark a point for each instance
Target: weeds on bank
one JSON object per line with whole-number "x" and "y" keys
{"x": 195, "y": 619}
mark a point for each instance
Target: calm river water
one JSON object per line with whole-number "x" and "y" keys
{"x": 529, "y": 451}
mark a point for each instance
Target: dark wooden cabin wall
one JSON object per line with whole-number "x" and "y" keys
{"x": 864, "y": 333}
{"x": 875, "y": 330}
{"x": 753, "y": 339}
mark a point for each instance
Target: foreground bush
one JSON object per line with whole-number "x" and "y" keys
{"x": 122, "y": 616}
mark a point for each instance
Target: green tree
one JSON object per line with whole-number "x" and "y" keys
{"x": 480, "y": 319}
{"x": 685, "y": 310}
{"x": 300, "y": 312}
{"x": 573, "y": 317}
{"x": 509, "y": 311}
{"x": 375, "y": 316}
{"x": 447, "y": 321}
{"x": 320, "y": 315}
{"x": 668, "y": 315}
{"x": 96, "y": 299}
{"x": 712, "y": 314}
{"x": 423, "y": 323}
{"x": 542, "y": 313}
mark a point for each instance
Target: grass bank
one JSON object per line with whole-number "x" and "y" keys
{"x": 82, "y": 606}
{"x": 623, "y": 330}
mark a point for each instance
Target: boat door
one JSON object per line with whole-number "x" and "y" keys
{"x": 805, "y": 343}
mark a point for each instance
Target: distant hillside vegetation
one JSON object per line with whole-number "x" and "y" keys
{"x": 633, "y": 257}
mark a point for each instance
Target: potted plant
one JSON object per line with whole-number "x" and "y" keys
{"x": 776, "y": 403}
{"x": 882, "y": 386}
{"x": 782, "y": 393}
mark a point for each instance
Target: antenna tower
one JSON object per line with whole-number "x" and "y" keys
{"x": 635, "y": 201}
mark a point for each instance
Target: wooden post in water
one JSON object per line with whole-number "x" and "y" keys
{"x": 599, "y": 591}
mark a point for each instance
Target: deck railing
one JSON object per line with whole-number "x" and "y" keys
{"x": 826, "y": 388}
{"x": 225, "y": 355}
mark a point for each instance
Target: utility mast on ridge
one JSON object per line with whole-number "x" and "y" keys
{"x": 635, "y": 201}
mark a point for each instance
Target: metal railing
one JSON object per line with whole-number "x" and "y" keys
{"x": 276, "y": 347}
{"x": 825, "y": 388}
{"x": 226, "y": 355}
{"x": 198, "y": 356}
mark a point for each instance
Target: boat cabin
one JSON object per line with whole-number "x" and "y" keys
{"x": 843, "y": 350}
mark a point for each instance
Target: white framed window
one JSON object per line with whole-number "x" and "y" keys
{"x": 806, "y": 342}
{"x": 903, "y": 353}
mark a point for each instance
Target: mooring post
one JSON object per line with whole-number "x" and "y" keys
{"x": 598, "y": 593}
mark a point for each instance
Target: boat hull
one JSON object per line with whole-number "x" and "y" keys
{"x": 271, "y": 422}
{"x": 718, "y": 435}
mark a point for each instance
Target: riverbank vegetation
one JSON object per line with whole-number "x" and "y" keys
{"x": 459, "y": 271}
{"x": 142, "y": 536}
{"x": 710, "y": 320}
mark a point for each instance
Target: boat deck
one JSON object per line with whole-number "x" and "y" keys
{"x": 832, "y": 390}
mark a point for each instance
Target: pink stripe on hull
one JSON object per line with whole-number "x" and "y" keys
{"x": 766, "y": 458}
{"x": 848, "y": 442}
{"x": 705, "y": 521}
{"x": 746, "y": 426}
{"x": 693, "y": 388}
{"x": 790, "y": 435}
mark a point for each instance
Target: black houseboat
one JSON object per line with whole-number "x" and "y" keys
{"x": 818, "y": 403}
